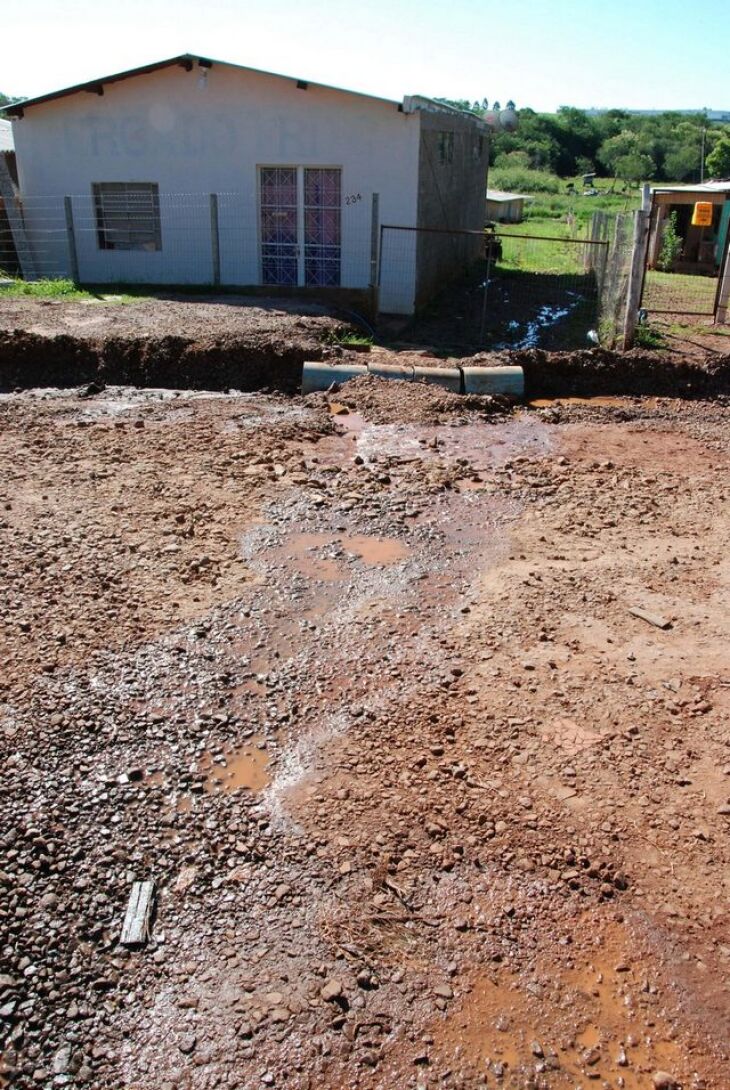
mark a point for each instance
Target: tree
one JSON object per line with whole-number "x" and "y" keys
{"x": 682, "y": 163}
{"x": 718, "y": 161}
{"x": 624, "y": 156}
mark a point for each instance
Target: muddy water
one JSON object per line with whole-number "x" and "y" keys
{"x": 485, "y": 445}
{"x": 242, "y": 767}
{"x": 337, "y": 588}
{"x": 371, "y": 550}
{"x": 591, "y": 1029}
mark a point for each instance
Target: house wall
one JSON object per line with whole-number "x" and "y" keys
{"x": 193, "y": 140}
{"x": 451, "y": 198}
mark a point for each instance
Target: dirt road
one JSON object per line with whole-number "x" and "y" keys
{"x": 425, "y": 803}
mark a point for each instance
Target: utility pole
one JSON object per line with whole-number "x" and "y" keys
{"x": 702, "y": 158}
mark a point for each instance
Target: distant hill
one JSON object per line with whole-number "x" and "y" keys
{"x": 722, "y": 116}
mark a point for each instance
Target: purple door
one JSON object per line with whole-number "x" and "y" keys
{"x": 322, "y": 226}
{"x": 279, "y": 226}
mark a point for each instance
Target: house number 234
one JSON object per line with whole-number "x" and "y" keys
{"x": 353, "y": 198}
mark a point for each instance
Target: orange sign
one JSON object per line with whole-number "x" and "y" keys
{"x": 702, "y": 215}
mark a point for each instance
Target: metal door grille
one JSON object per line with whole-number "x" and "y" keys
{"x": 322, "y": 226}
{"x": 279, "y": 226}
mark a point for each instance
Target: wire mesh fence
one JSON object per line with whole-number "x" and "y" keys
{"x": 468, "y": 290}
{"x": 132, "y": 234}
{"x": 500, "y": 289}
{"x": 613, "y": 278}
{"x": 679, "y": 294}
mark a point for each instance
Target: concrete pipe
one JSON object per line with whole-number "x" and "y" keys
{"x": 447, "y": 377}
{"x": 392, "y": 370}
{"x": 508, "y": 381}
{"x": 320, "y": 376}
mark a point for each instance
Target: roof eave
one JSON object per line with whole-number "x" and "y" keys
{"x": 185, "y": 60}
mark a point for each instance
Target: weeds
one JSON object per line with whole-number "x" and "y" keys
{"x": 347, "y": 339}
{"x": 647, "y": 336}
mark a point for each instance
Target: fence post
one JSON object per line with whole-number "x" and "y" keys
{"x": 73, "y": 257}
{"x": 215, "y": 238}
{"x": 722, "y": 311}
{"x": 636, "y": 275}
{"x": 375, "y": 252}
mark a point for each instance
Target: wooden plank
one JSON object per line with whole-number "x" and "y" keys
{"x": 136, "y": 926}
{"x": 650, "y": 618}
{"x": 642, "y": 219}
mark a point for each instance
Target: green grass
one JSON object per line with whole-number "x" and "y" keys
{"x": 677, "y": 329}
{"x": 45, "y": 289}
{"x": 679, "y": 293}
{"x": 553, "y": 202}
{"x": 555, "y": 214}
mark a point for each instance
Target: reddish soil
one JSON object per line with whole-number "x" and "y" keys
{"x": 425, "y": 804}
{"x": 222, "y": 315}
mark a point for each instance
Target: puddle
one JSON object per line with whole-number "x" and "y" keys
{"x": 245, "y": 766}
{"x": 378, "y": 551}
{"x": 516, "y": 1035}
{"x": 547, "y": 317}
{"x": 353, "y": 423}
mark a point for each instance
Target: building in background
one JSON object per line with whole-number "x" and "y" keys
{"x": 192, "y": 171}
{"x": 703, "y": 248}
{"x": 506, "y": 207}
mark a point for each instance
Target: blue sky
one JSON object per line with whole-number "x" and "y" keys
{"x": 541, "y": 53}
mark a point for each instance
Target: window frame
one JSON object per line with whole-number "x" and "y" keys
{"x": 149, "y": 241}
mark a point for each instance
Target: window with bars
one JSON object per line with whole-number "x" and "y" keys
{"x": 127, "y": 215}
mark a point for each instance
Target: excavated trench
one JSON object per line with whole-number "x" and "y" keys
{"x": 29, "y": 359}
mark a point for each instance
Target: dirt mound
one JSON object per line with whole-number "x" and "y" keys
{"x": 600, "y": 371}
{"x": 218, "y": 363}
{"x": 388, "y": 401}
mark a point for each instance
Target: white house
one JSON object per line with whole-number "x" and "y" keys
{"x": 192, "y": 171}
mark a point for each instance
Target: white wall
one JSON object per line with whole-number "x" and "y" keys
{"x": 194, "y": 140}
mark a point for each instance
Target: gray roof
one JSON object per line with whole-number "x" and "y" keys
{"x": 700, "y": 187}
{"x": 499, "y": 196}
{"x": 6, "y": 136}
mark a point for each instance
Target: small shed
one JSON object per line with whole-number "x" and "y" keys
{"x": 505, "y": 207}
{"x": 703, "y": 248}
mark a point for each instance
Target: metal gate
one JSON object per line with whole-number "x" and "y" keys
{"x": 690, "y": 284}
{"x": 475, "y": 290}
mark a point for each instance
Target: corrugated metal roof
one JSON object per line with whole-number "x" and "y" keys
{"x": 6, "y": 136}
{"x": 498, "y": 195}
{"x": 700, "y": 187}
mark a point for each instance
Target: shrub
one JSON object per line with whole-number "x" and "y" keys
{"x": 671, "y": 246}
{"x": 522, "y": 180}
